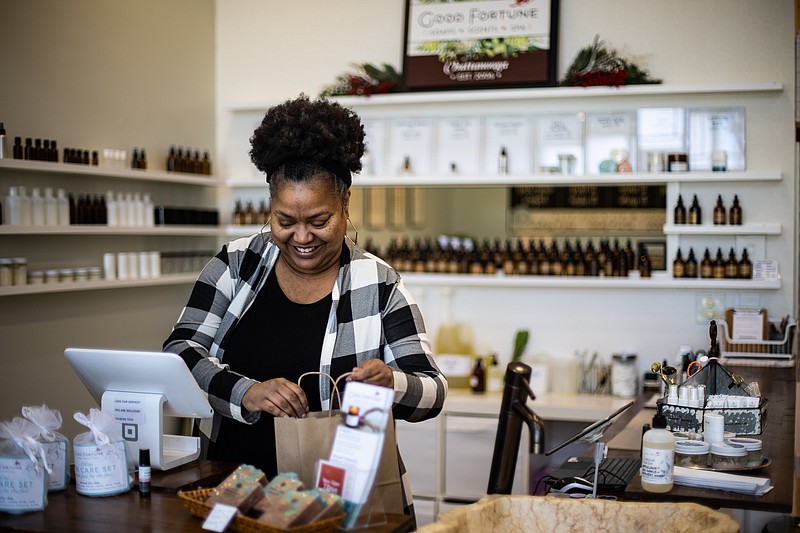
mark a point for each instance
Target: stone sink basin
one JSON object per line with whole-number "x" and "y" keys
{"x": 547, "y": 514}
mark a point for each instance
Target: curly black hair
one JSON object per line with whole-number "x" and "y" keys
{"x": 302, "y": 137}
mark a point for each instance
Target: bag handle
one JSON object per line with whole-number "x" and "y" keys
{"x": 335, "y": 386}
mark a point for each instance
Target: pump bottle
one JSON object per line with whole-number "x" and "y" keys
{"x": 658, "y": 456}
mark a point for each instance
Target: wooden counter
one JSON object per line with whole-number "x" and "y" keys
{"x": 68, "y": 511}
{"x": 778, "y": 386}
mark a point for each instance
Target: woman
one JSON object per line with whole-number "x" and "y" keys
{"x": 301, "y": 298}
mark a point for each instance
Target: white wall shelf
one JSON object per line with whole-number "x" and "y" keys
{"x": 710, "y": 229}
{"x": 171, "y": 231}
{"x": 106, "y": 172}
{"x": 72, "y": 286}
{"x": 494, "y": 95}
{"x": 633, "y": 281}
{"x": 540, "y": 179}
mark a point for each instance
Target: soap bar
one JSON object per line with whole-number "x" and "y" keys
{"x": 290, "y": 509}
{"x": 242, "y": 489}
{"x": 284, "y": 482}
{"x": 332, "y": 504}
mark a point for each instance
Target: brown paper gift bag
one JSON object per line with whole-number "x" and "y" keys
{"x": 301, "y": 442}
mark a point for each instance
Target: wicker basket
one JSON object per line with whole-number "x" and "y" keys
{"x": 194, "y": 501}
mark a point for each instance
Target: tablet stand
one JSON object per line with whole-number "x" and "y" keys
{"x": 141, "y": 416}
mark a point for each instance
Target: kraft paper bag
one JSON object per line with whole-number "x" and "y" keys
{"x": 301, "y": 442}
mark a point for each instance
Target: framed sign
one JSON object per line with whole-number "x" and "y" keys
{"x": 480, "y": 44}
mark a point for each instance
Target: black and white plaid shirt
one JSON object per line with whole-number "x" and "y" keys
{"x": 372, "y": 317}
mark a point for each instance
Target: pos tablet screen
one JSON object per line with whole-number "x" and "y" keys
{"x": 141, "y": 372}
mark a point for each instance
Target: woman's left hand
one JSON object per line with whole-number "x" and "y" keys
{"x": 374, "y": 372}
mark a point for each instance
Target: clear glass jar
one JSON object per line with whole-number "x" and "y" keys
{"x": 624, "y": 381}
{"x": 66, "y": 275}
{"x": 754, "y": 452}
{"x": 728, "y": 456}
{"x": 691, "y": 453}
{"x": 95, "y": 273}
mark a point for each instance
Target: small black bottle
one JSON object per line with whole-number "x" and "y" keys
{"x": 17, "y": 148}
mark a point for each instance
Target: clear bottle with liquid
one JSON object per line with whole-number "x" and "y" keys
{"x": 658, "y": 456}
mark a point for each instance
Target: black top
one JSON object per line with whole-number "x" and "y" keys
{"x": 275, "y": 338}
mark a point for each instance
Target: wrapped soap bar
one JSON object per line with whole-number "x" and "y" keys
{"x": 283, "y": 482}
{"x": 101, "y": 456}
{"x": 242, "y": 489}
{"x": 290, "y": 509}
{"x": 23, "y": 468}
{"x": 332, "y": 504}
{"x": 56, "y": 445}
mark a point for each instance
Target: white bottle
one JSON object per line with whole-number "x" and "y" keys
{"x": 25, "y": 206}
{"x": 126, "y": 210}
{"x": 12, "y": 208}
{"x": 50, "y": 208}
{"x": 37, "y": 208}
{"x": 62, "y": 204}
{"x": 658, "y": 456}
{"x": 138, "y": 211}
{"x": 112, "y": 215}
{"x": 149, "y": 214}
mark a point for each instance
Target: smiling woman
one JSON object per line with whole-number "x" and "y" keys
{"x": 301, "y": 298}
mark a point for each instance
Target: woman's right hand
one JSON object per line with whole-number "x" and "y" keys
{"x": 278, "y": 397}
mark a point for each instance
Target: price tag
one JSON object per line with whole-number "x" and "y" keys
{"x": 219, "y": 517}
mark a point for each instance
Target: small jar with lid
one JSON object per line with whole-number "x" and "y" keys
{"x": 6, "y": 272}
{"x": 66, "y": 275}
{"x": 82, "y": 274}
{"x": 95, "y": 273}
{"x": 677, "y": 162}
{"x": 36, "y": 277}
{"x": 51, "y": 275}
{"x": 691, "y": 453}
{"x": 754, "y": 455}
{"x": 20, "y": 267}
{"x": 728, "y": 456}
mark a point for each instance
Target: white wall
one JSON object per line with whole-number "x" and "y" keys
{"x": 96, "y": 74}
{"x": 270, "y": 51}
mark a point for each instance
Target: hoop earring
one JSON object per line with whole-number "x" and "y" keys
{"x": 261, "y": 232}
{"x": 355, "y": 242}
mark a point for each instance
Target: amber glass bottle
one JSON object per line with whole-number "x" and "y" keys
{"x": 736, "y": 212}
{"x": 720, "y": 213}
{"x": 691, "y": 265}
{"x": 718, "y": 266}
{"x": 732, "y": 266}
{"x": 695, "y": 212}
{"x": 678, "y": 266}
{"x": 645, "y": 267}
{"x": 706, "y": 265}
{"x": 745, "y": 266}
{"x": 679, "y": 216}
